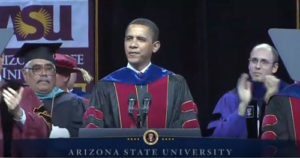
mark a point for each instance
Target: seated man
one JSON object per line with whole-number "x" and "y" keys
{"x": 62, "y": 110}
{"x": 141, "y": 95}
{"x": 242, "y": 108}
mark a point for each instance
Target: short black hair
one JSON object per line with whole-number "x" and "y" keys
{"x": 150, "y": 24}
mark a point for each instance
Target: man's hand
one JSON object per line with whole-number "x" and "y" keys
{"x": 12, "y": 99}
{"x": 272, "y": 85}
{"x": 244, "y": 93}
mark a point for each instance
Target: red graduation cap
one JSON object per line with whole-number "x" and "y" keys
{"x": 66, "y": 64}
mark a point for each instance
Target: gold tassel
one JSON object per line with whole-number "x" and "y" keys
{"x": 86, "y": 76}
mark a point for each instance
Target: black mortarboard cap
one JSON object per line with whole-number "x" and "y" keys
{"x": 287, "y": 44}
{"x": 31, "y": 51}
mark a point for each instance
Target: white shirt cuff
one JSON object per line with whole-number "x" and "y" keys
{"x": 23, "y": 117}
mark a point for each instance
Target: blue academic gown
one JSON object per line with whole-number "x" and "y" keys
{"x": 171, "y": 104}
{"x": 231, "y": 124}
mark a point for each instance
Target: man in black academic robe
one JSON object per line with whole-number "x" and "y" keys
{"x": 141, "y": 95}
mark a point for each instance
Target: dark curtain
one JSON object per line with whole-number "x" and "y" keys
{"x": 206, "y": 41}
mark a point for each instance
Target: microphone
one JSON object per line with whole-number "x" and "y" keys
{"x": 143, "y": 111}
{"x": 131, "y": 102}
{"x": 146, "y": 103}
{"x": 259, "y": 116}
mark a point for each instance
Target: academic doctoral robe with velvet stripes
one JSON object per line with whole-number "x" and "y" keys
{"x": 172, "y": 105}
{"x": 282, "y": 119}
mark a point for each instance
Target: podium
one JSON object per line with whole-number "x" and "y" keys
{"x": 172, "y": 142}
{"x": 137, "y": 132}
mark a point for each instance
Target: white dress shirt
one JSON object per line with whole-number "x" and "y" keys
{"x": 137, "y": 71}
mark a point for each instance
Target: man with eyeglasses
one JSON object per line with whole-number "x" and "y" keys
{"x": 239, "y": 112}
{"x": 60, "y": 109}
{"x": 17, "y": 119}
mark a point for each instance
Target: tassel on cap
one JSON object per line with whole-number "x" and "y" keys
{"x": 86, "y": 76}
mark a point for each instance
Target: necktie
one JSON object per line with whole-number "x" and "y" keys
{"x": 140, "y": 74}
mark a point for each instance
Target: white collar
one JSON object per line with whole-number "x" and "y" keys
{"x": 135, "y": 70}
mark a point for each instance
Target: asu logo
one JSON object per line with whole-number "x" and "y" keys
{"x": 37, "y": 21}
{"x": 24, "y": 29}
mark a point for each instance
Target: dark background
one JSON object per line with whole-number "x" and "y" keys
{"x": 206, "y": 41}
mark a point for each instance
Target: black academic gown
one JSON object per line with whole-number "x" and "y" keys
{"x": 171, "y": 106}
{"x": 282, "y": 119}
{"x": 67, "y": 112}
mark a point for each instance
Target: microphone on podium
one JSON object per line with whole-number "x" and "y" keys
{"x": 146, "y": 103}
{"x": 143, "y": 111}
{"x": 131, "y": 102}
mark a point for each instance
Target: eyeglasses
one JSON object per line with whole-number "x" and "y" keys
{"x": 263, "y": 62}
{"x": 38, "y": 69}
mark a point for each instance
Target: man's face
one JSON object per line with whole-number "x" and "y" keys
{"x": 40, "y": 75}
{"x": 139, "y": 45}
{"x": 61, "y": 81}
{"x": 261, "y": 63}
{"x": 72, "y": 80}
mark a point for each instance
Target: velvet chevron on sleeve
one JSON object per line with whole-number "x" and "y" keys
{"x": 171, "y": 104}
{"x": 282, "y": 119}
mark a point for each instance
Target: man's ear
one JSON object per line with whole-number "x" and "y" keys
{"x": 275, "y": 68}
{"x": 67, "y": 78}
{"x": 156, "y": 46}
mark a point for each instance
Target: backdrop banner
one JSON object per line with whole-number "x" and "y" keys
{"x": 70, "y": 22}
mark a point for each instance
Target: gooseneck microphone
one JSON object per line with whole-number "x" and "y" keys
{"x": 144, "y": 109}
{"x": 146, "y": 103}
{"x": 131, "y": 102}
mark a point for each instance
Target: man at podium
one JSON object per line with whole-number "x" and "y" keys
{"x": 141, "y": 95}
